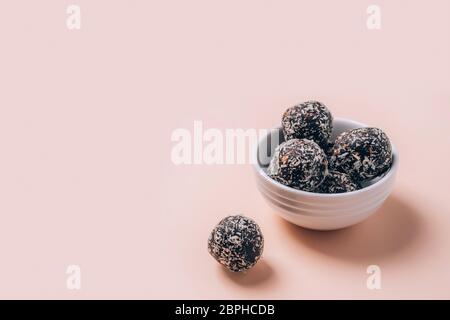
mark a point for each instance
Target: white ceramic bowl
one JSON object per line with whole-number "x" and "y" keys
{"x": 315, "y": 210}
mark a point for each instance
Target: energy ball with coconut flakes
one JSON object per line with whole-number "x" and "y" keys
{"x": 300, "y": 164}
{"x": 363, "y": 153}
{"x": 337, "y": 182}
{"x": 309, "y": 120}
{"x": 236, "y": 242}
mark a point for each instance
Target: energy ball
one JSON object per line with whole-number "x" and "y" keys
{"x": 236, "y": 242}
{"x": 272, "y": 171}
{"x": 328, "y": 149}
{"x": 337, "y": 182}
{"x": 300, "y": 164}
{"x": 309, "y": 120}
{"x": 278, "y": 179}
{"x": 362, "y": 153}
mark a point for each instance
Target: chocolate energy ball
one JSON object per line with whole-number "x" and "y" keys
{"x": 328, "y": 149}
{"x": 337, "y": 182}
{"x": 236, "y": 242}
{"x": 309, "y": 120}
{"x": 272, "y": 171}
{"x": 300, "y": 164}
{"x": 362, "y": 153}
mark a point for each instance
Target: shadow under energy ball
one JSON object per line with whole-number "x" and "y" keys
{"x": 236, "y": 242}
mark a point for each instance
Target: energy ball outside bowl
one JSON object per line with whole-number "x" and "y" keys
{"x": 236, "y": 242}
{"x": 300, "y": 164}
{"x": 337, "y": 182}
{"x": 362, "y": 153}
{"x": 309, "y": 120}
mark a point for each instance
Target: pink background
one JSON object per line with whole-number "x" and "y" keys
{"x": 86, "y": 117}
